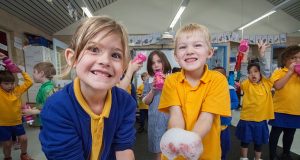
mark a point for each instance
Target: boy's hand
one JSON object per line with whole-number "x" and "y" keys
{"x": 262, "y": 46}
{"x": 179, "y": 142}
{"x": 29, "y": 111}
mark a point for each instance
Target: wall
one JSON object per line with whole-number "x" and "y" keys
{"x": 293, "y": 41}
{"x": 15, "y": 27}
{"x": 64, "y": 38}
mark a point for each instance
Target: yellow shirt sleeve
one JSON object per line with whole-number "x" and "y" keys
{"x": 26, "y": 85}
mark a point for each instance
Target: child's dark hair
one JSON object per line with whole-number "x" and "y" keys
{"x": 288, "y": 53}
{"x": 250, "y": 65}
{"x": 164, "y": 61}
{"x": 7, "y": 76}
{"x": 46, "y": 67}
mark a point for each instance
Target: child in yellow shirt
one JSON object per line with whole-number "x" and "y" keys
{"x": 257, "y": 106}
{"x": 286, "y": 102}
{"x": 143, "y": 108}
{"x": 196, "y": 97}
{"x": 10, "y": 110}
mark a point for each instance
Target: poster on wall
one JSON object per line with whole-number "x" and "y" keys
{"x": 270, "y": 39}
{"x": 252, "y": 39}
{"x": 282, "y": 38}
{"x": 276, "y": 39}
{"x": 3, "y": 43}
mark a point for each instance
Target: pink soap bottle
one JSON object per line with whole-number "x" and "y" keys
{"x": 10, "y": 65}
{"x": 159, "y": 80}
{"x": 28, "y": 119}
{"x": 140, "y": 57}
{"x": 244, "y": 45}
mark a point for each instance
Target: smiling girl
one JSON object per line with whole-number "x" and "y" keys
{"x": 90, "y": 118}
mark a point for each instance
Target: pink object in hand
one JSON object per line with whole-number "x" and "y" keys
{"x": 159, "y": 80}
{"x": 297, "y": 69}
{"x": 140, "y": 58}
{"x": 179, "y": 142}
{"x": 28, "y": 119}
{"x": 11, "y": 66}
{"x": 243, "y": 46}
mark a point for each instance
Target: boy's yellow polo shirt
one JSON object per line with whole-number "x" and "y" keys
{"x": 97, "y": 121}
{"x": 139, "y": 92}
{"x": 211, "y": 95}
{"x": 286, "y": 100}
{"x": 257, "y": 101}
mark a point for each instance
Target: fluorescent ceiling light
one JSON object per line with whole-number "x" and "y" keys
{"x": 178, "y": 14}
{"x": 87, "y": 11}
{"x": 257, "y": 19}
{"x": 182, "y": 7}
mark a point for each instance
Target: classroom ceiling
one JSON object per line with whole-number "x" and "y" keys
{"x": 55, "y": 17}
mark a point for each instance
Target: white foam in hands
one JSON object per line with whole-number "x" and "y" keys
{"x": 178, "y": 141}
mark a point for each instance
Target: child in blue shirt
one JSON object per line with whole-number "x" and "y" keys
{"x": 91, "y": 118}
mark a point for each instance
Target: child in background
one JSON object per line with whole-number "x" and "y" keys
{"x": 226, "y": 121}
{"x": 196, "y": 97}
{"x": 286, "y": 102}
{"x": 43, "y": 73}
{"x": 157, "y": 121}
{"x": 257, "y": 106}
{"x": 142, "y": 106}
{"x": 91, "y": 118}
{"x": 10, "y": 109}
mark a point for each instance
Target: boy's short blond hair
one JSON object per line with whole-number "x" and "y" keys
{"x": 192, "y": 29}
{"x": 46, "y": 67}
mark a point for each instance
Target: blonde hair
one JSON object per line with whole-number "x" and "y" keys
{"x": 46, "y": 67}
{"x": 192, "y": 29}
{"x": 88, "y": 29}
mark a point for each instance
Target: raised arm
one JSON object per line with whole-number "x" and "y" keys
{"x": 265, "y": 70}
{"x": 244, "y": 64}
{"x": 132, "y": 68}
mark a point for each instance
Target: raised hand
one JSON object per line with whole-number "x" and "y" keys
{"x": 262, "y": 46}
